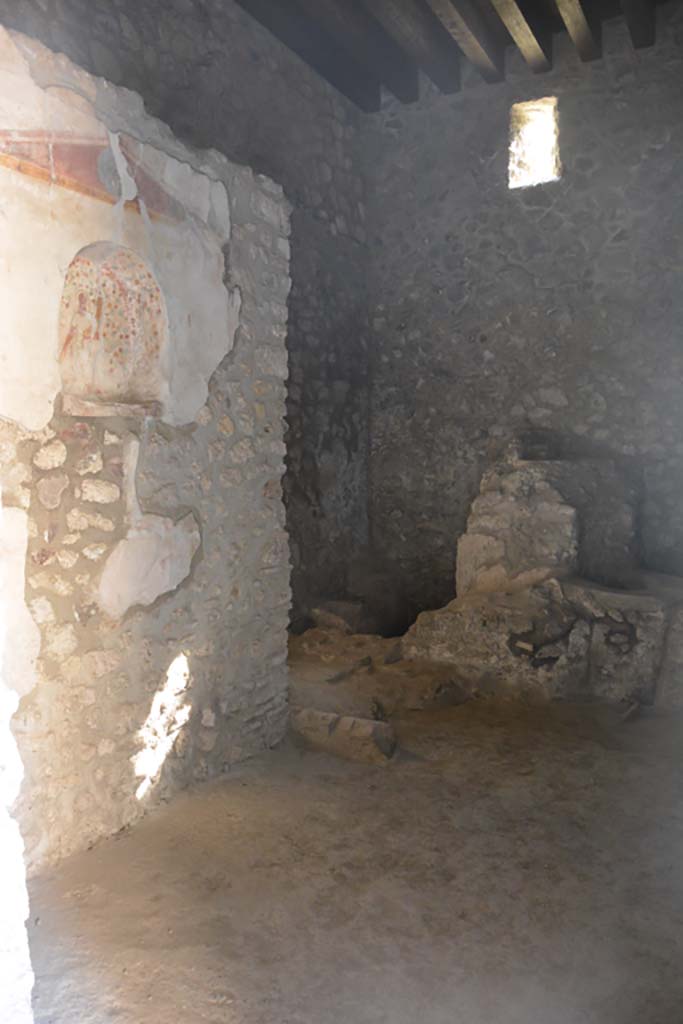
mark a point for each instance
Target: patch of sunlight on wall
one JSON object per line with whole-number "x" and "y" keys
{"x": 534, "y": 143}
{"x": 167, "y": 716}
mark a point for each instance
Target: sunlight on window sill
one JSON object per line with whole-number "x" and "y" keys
{"x": 534, "y": 145}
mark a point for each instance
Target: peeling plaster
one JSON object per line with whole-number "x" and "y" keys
{"x": 93, "y": 554}
{"x": 153, "y": 558}
{"x": 19, "y": 657}
{"x": 53, "y": 190}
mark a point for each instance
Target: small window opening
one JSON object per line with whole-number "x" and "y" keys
{"x": 534, "y": 146}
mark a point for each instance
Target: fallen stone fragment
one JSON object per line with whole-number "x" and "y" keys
{"x": 344, "y": 673}
{"x": 345, "y": 616}
{"x": 394, "y": 655}
{"x": 355, "y": 739}
{"x": 324, "y": 618}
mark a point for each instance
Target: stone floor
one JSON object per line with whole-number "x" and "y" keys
{"x": 512, "y": 865}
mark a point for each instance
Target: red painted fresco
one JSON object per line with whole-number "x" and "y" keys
{"x": 73, "y": 162}
{"x": 112, "y": 327}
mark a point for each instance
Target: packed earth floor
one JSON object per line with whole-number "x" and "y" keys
{"x": 511, "y": 864}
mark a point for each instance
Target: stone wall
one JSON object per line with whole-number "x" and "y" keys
{"x": 142, "y": 415}
{"x": 15, "y": 681}
{"x": 555, "y": 310}
{"x": 219, "y": 79}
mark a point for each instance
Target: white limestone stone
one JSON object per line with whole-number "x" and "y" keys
{"x": 90, "y": 463}
{"x": 102, "y": 492}
{"x": 67, "y": 559}
{"x": 50, "y": 490}
{"x": 60, "y": 640}
{"x": 42, "y": 611}
{"x": 94, "y": 551}
{"x": 50, "y": 456}
{"x": 78, "y": 520}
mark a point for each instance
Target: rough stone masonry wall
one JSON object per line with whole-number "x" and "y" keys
{"x": 219, "y": 79}
{"x": 557, "y": 308}
{"x": 145, "y": 544}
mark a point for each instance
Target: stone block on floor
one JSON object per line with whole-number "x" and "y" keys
{"x": 356, "y": 739}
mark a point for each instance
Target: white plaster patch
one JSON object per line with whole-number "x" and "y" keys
{"x": 19, "y": 661}
{"x": 19, "y": 647}
{"x": 129, "y": 189}
{"x": 197, "y": 344}
{"x": 67, "y": 559}
{"x": 153, "y": 558}
{"x": 94, "y": 551}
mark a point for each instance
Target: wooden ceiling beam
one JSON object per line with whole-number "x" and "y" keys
{"x": 465, "y": 24}
{"x": 310, "y": 42}
{"x": 535, "y": 47}
{"x": 640, "y": 18}
{"x": 586, "y": 38}
{"x": 367, "y": 43}
{"x": 419, "y": 34}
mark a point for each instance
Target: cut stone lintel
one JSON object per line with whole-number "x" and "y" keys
{"x": 88, "y": 408}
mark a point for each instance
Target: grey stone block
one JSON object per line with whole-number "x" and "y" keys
{"x": 533, "y": 520}
{"x": 356, "y": 739}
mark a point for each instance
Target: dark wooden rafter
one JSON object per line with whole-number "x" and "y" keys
{"x": 310, "y": 42}
{"x": 640, "y": 18}
{"x": 534, "y": 45}
{"x": 417, "y": 31}
{"x": 361, "y": 45}
{"x": 584, "y": 35}
{"x": 365, "y": 41}
{"x": 463, "y": 21}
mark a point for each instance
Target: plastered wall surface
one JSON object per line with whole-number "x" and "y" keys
{"x": 156, "y": 567}
{"x": 556, "y": 308}
{"x": 19, "y": 647}
{"x": 219, "y": 79}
